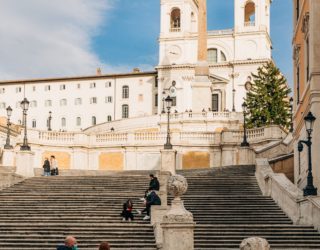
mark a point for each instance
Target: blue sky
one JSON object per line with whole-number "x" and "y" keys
{"x": 45, "y": 38}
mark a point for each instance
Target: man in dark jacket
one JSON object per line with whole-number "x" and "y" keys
{"x": 154, "y": 183}
{"x": 152, "y": 199}
{"x": 70, "y": 243}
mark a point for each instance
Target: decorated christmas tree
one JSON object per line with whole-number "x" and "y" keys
{"x": 267, "y": 100}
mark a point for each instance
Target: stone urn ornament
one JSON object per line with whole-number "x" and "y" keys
{"x": 177, "y": 186}
{"x": 254, "y": 243}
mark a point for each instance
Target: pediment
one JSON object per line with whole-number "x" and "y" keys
{"x": 218, "y": 79}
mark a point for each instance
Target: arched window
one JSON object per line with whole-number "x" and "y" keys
{"x": 93, "y": 120}
{"x": 223, "y": 57}
{"x": 125, "y": 111}
{"x": 63, "y": 122}
{"x": 212, "y": 55}
{"x": 249, "y": 13}
{"x": 78, "y": 121}
{"x": 34, "y": 123}
{"x": 125, "y": 92}
{"x": 175, "y": 20}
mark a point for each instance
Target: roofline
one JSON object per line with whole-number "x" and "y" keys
{"x": 77, "y": 78}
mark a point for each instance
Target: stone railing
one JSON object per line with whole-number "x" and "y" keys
{"x": 151, "y": 138}
{"x": 302, "y": 210}
{"x": 249, "y": 23}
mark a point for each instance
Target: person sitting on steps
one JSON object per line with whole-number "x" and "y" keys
{"x": 153, "y": 185}
{"x": 127, "y": 211}
{"x": 152, "y": 199}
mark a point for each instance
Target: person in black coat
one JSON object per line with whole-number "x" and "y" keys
{"x": 151, "y": 199}
{"x": 154, "y": 183}
{"x": 46, "y": 167}
{"x": 127, "y": 211}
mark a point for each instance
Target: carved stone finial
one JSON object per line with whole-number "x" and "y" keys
{"x": 254, "y": 243}
{"x": 177, "y": 185}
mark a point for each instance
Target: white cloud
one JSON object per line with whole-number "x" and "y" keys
{"x": 46, "y": 38}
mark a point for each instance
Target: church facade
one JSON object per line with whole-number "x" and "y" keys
{"x": 199, "y": 69}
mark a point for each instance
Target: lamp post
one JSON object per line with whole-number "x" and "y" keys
{"x": 291, "y": 114}
{"x": 244, "y": 143}
{"x": 9, "y": 112}
{"x": 233, "y": 100}
{"x": 168, "y": 144}
{"x": 309, "y": 121}
{"x": 25, "y": 107}
{"x": 49, "y": 121}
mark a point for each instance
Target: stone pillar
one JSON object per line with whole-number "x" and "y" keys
{"x": 245, "y": 156}
{"x": 8, "y": 158}
{"x": 25, "y": 163}
{"x": 177, "y": 224}
{"x": 168, "y": 161}
{"x": 163, "y": 192}
{"x": 254, "y": 243}
{"x": 202, "y": 31}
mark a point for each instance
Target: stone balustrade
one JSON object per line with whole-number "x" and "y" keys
{"x": 152, "y": 138}
{"x": 302, "y": 210}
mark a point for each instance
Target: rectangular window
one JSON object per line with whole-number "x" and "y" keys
{"x": 109, "y": 99}
{"x": 33, "y": 88}
{"x": 140, "y": 98}
{"x": 125, "y": 111}
{"x": 48, "y": 103}
{"x": 2, "y": 105}
{"x": 2, "y": 90}
{"x": 93, "y": 100}
{"x": 174, "y": 101}
{"x": 108, "y": 84}
{"x": 92, "y": 85}
{"x": 63, "y": 102}
{"x": 78, "y": 101}
{"x": 156, "y": 100}
{"x": 78, "y": 86}
{"x": 298, "y": 9}
{"x": 125, "y": 92}
{"x": 18, "y": 89}
{"x": 109, "y": 118}
{"x": 215, "y": 102}
{"x": 47, "y": 88}
{"x": 62, "y": 87}
{"x": 156, "y": 82}
{"x": 212, "y": 55}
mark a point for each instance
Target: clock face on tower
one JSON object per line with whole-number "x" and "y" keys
{"x": 173, "y": 52}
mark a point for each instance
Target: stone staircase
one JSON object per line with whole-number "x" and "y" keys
{"x": 39, "y": 212}
{"x": 228, "y": 206}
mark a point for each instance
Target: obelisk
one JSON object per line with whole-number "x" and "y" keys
{"x": 201, "y": 94}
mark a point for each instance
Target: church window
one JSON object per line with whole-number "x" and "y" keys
{"x": 223, "y": 57}
{"x": 175, "y": 20}
{"x": 78, "y": 121}
{"x": 212, "y": 55}
{"x": 249, "y": 13}
{"x": 93, "y": 120}
{"x": 215, "y": 102}
{"x": 34, "y": 123}
{"x": 63, "y": 122}
{"x": 125, "y": 111}
{"x": 125, "y": 92}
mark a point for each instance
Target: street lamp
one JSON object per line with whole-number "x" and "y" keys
{"x": 9, "y": 113}
{"x": 49, "y": 121}
{"x": 25, "y": 107}
{"x": 291, "y": 115}
{"x": 244, "y": 143}
{"x": 233, "y": 100}
{"x": 168, "y": 101}
{"x": 309, "y": 121}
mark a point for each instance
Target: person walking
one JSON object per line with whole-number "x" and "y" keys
{"x": 104, "y": 246}
{"x": 127, "y": 211}
{"x": 70, "y": 243}
{"x": 46, "y": 167}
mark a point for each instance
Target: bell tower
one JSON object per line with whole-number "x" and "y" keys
{"x": 252, "y": 15}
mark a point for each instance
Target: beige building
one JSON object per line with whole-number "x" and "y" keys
{"x": 306, "y": 54}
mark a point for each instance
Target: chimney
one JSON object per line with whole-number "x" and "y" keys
{"x": 99, "y": 73}
{"x": 136, "y": 70}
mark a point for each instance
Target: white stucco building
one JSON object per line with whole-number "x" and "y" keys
{"x": 230, "y": 56}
